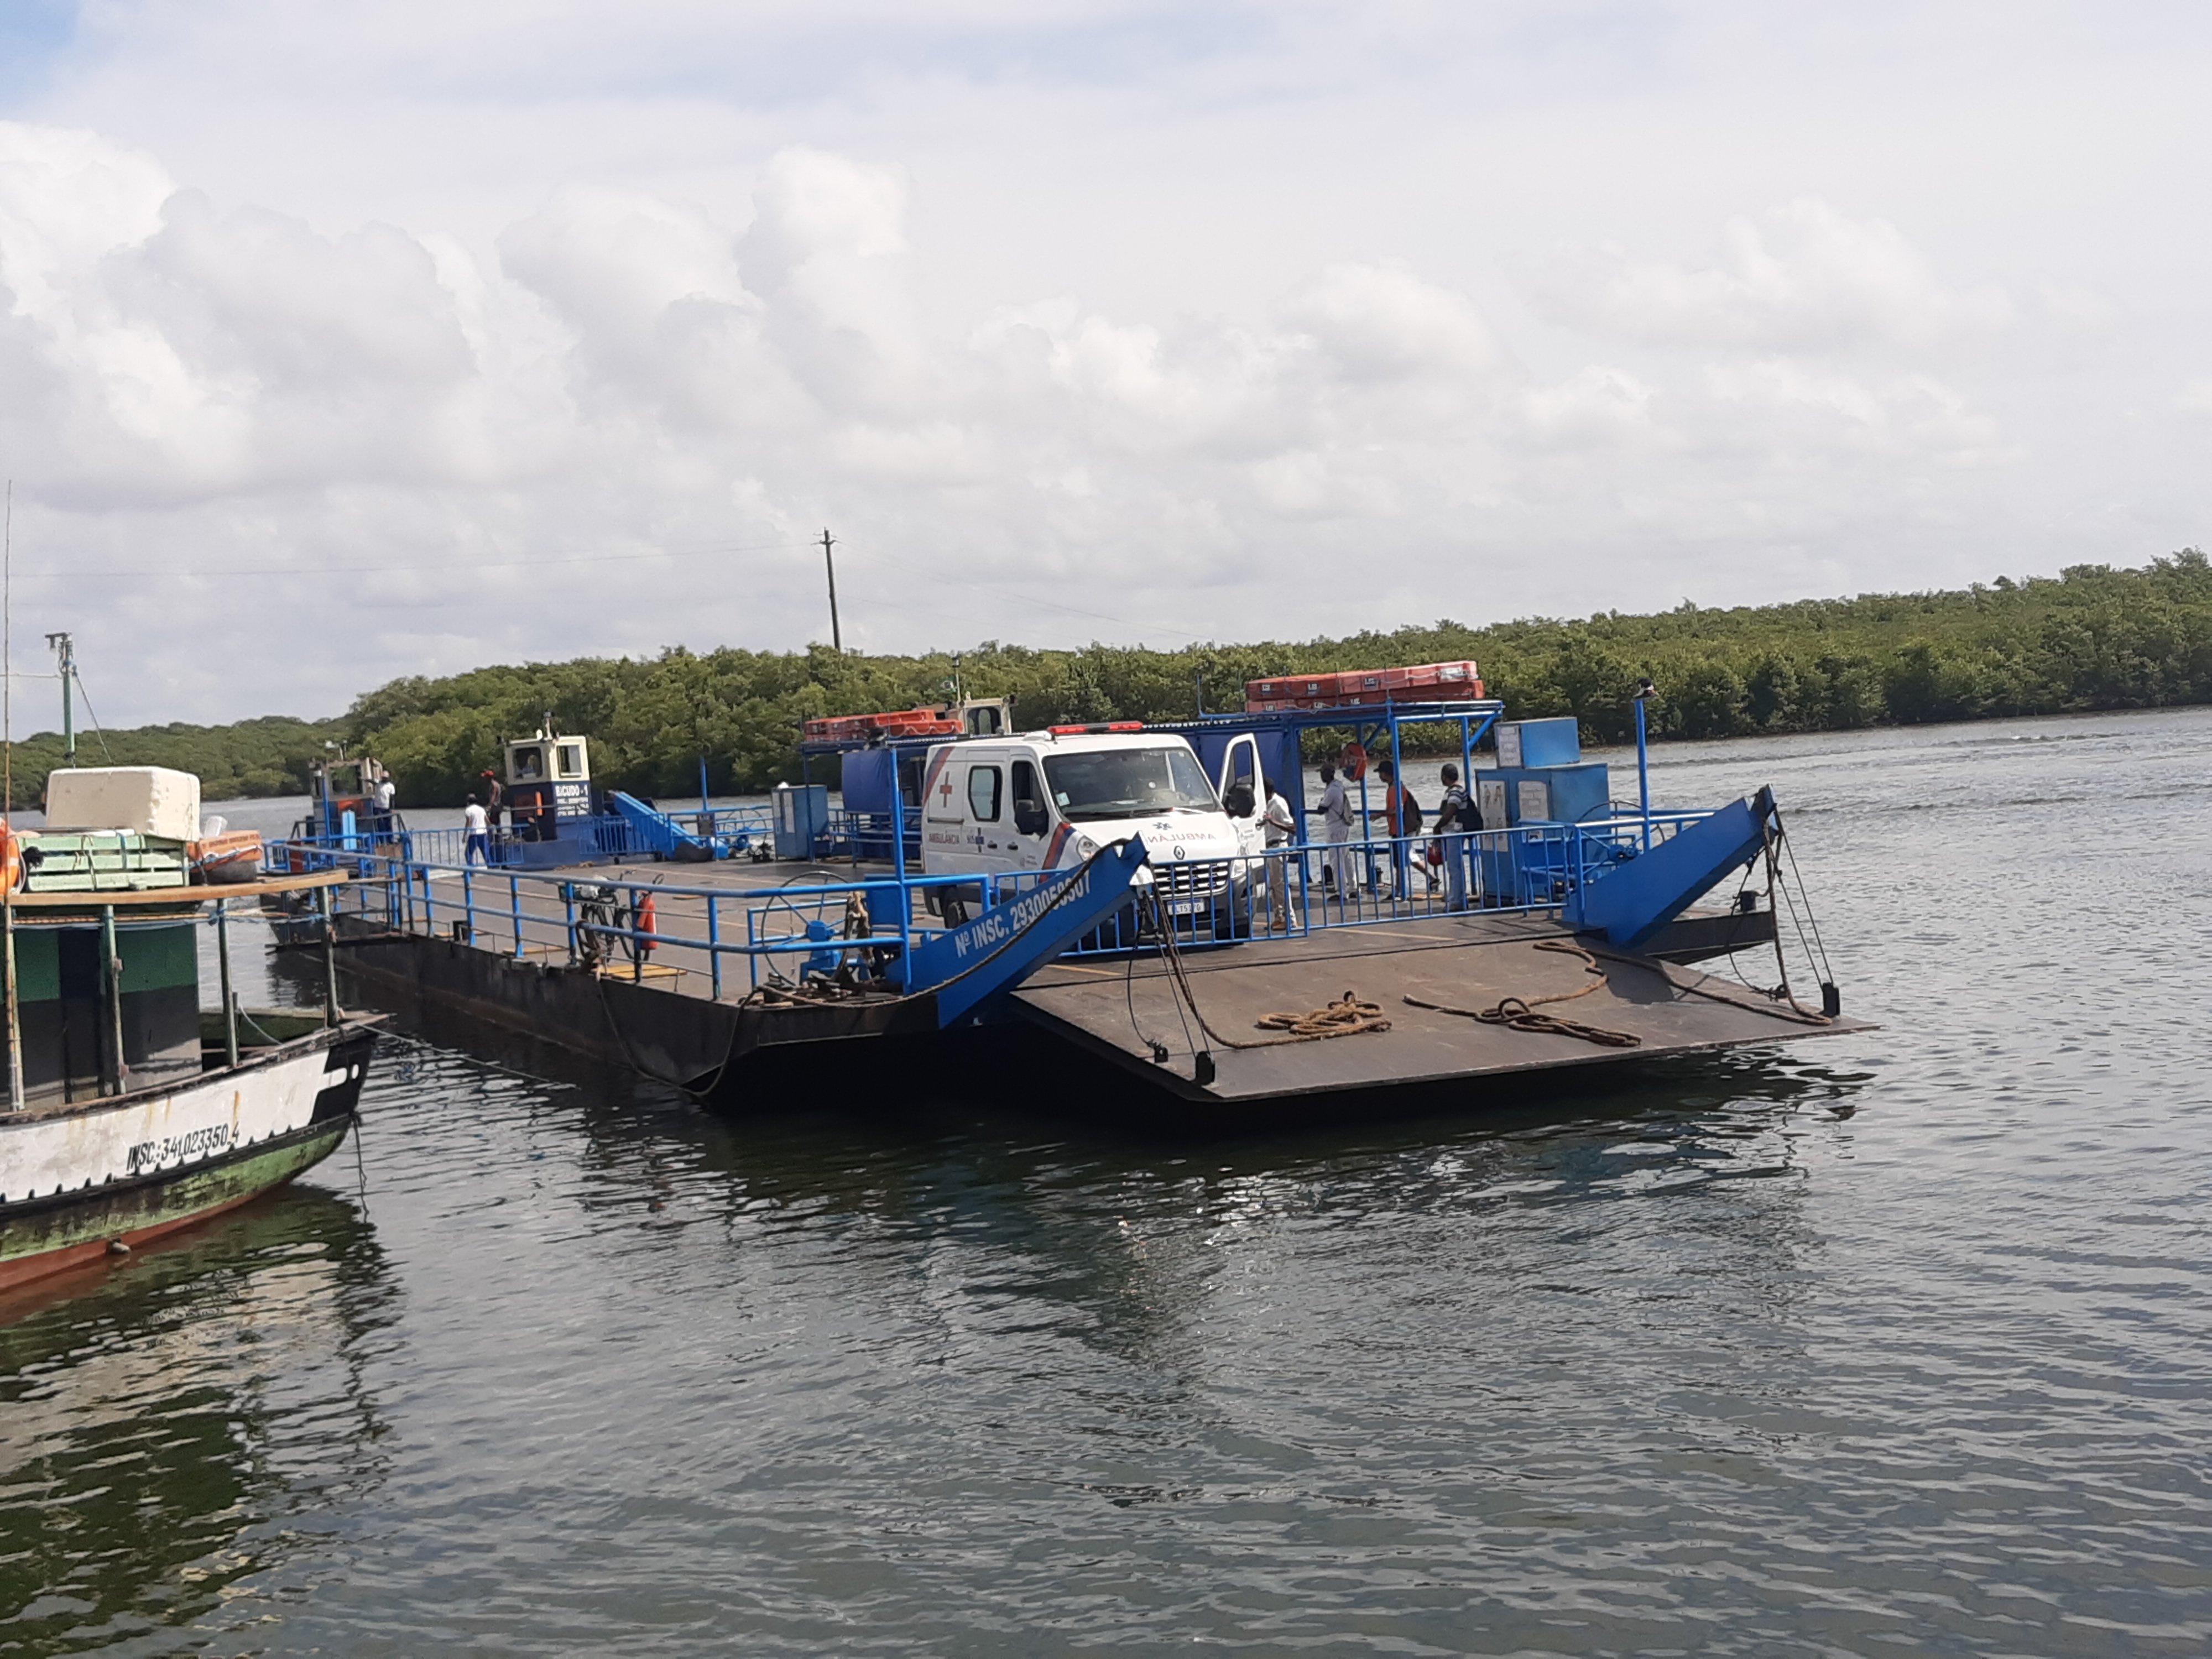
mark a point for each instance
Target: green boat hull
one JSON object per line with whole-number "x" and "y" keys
{"x": 45, "y": 1236}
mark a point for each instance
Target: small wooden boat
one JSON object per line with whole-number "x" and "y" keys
{"x": 79, "y": 1178}
{"x": 226, "y": 860}
{"x": 128, "y": 1110}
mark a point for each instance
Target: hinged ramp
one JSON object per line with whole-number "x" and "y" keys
{"x": 1465, "y": 962}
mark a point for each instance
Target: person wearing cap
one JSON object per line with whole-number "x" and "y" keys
{"x": 1457, "y": 817}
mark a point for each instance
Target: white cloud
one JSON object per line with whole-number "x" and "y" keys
{"x": 1811, "y": 412}
{"x": 1801, "y": 276}
{"x": 1070, "y": 320}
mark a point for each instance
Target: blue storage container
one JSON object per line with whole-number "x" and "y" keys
{"x": 1547, "y": 795}
{"x": 802, "y": 818}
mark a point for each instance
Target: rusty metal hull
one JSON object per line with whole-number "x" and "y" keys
{"x": 1070, "y": 1016}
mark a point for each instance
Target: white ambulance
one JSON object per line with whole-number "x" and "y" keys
{"x": 1048, "y": 801}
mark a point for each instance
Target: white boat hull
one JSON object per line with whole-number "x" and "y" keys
{"x": 75, "y": 1180}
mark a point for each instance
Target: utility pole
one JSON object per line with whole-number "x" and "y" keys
{"x": 67, "y": 658}
{"x": 829, "y": 564}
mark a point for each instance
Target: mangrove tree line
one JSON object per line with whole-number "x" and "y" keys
{"x": 2094, "y": 637}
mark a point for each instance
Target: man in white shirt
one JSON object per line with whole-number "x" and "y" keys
{"x": 386, "y": 794}
{"x": 1336, "y": 820}
{"x": 479, "y": 825}
{"x": 1279, "y": 826}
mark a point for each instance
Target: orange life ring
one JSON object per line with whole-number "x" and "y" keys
{"x": 649, "y": 923}
{"x": 11, "y": 860}
{"x": 1353, "y": 760}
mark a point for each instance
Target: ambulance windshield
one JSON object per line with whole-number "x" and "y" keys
{"x": 1128, "y": 783}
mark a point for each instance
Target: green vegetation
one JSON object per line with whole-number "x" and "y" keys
{"x": 270, "y": 756}
{"x": 2093, "y": 638}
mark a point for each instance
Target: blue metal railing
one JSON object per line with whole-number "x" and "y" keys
{"x": 524, "y": 914}
{"x": 423, "y": 884}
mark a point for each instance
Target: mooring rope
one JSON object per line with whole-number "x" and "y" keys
{"x": 1519, "y": 1013}
{"x": 1349, "y": 1017}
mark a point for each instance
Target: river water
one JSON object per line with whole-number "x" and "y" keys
{"x": 1897, "y": 1342}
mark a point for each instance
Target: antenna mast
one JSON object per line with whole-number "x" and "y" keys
{"x": 836, "y": 640}
{"x": 65, "y": 656}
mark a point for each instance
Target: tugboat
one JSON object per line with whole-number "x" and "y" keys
{"x": 130, "y": 1111}
{"x": 547, "y": 796}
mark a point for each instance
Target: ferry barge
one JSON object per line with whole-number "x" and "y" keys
{"x": 131, "y": 1110}
{"x": 968, "y": 903}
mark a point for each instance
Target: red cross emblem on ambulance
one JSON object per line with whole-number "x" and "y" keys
{"x": 944, "y": 791}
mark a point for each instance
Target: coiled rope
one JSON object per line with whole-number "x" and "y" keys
{"x": 1519, "y": 1013}
{"x": 1348, "y": 1016}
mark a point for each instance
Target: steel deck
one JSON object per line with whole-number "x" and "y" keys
{"x": 1464, "y": 962}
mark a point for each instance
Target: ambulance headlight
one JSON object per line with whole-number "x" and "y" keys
{"x": 1085, "y": 847}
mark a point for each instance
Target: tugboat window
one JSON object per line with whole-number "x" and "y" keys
{"x": 983, "y": 785}
{"x": 529, "y": 764}
{"x": 572, "y": 760}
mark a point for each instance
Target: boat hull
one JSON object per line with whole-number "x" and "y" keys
{"x": 76, "y": 1181}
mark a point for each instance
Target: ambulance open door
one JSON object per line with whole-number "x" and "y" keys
{"x": 1243, "y": 792}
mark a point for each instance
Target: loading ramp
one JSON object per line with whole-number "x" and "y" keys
{"x": 1119, "y": 1011}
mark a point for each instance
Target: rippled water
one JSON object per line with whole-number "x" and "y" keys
{"x": 1883, "y": 1344}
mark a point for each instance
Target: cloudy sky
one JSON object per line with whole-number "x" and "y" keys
{"x": 380, "y": 336}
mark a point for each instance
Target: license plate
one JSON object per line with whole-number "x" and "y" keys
{"x": 1185, "y": 906}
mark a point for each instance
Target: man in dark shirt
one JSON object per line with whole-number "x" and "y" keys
{"x": 1457, "y": 816}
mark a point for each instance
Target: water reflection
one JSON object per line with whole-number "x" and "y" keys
{"x": 169, "y": 1426}
{"x": 963, "y": 1237}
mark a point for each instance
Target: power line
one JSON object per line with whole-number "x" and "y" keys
{"x": 717, "y": 550}
{"x": 462, "y": 564}
{"x": 1049, "y": 605}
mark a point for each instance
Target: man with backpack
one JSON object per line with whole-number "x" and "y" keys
{"x": 1401, "y": 819}
{"x": 1457, "y": 816}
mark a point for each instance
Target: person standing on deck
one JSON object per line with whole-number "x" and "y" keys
{"x": 1279, "y": 826}
{"x": 1336, "y": 818}
{"x": 387, "y": 792}
{"x": 493, "y": 794}
{"x": 1455, "y": 815}
{"x": 1394, "y": 826}
{"x": 478, "y": 849}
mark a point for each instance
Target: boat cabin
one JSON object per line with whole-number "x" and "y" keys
{"x": 546, "y": 778}
{"x": 345, "y": 785}
{"x": 108, "y": 1000}
{"x": 984, "y": 717}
